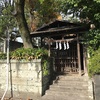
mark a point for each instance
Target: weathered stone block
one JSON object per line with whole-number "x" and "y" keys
{"x": 19, "y": 81}
{"x": 24, "y": 76}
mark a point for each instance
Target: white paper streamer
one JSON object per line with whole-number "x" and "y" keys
{"x": 56, "y": 45}
{"x": 67, "y": 45}
{"x": 51, "y": 43}
{"x": 60, "y": 46}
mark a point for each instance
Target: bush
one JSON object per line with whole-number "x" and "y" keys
{"x": 27, "y": 54}
{"x": 3, "y": 55}
{"x": 94, "y": 65}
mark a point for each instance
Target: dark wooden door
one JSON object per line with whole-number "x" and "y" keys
{"x": 66, "y": 61}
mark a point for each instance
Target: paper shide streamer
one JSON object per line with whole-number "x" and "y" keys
{"x": 58, "y": 45}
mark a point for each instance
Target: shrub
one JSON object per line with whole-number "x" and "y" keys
{"x": 27, "y": 54}
{"x": 2, "y": 55}
{"x": 94, "y": 65}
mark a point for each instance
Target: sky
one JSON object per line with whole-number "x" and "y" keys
{"x": 10, "y": 1}
{"x": 19, "y": 39}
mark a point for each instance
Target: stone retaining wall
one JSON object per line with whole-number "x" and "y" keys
{"x": 24, "y": 77}
{"x": 96, "y": 83}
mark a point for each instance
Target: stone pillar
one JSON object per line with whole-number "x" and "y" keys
{"x": 85, "y": 60}
{"x": 78, "y": 55}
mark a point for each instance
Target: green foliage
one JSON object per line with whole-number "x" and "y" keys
{"x": 45, "y": 67}
{"x": 41, "y": 1}
{"x": 87, "y": 11}
{"x": 2, "y": 55}
{"x": 81, "y": 8}
{"x": 94, "y": 65}
{"x": 27, "y": 54}
{"x": 7, "y": 20}
{"x": 92, "y": 40}
{"x": 44, "y": 11}
{"x": 98, "y": 1}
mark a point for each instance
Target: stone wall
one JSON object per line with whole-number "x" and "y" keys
{"x": 96, "y": 84}
{"x": 24, "y": 77}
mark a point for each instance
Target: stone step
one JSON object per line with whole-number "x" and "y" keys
{"x": 72, "y": 83}
{"x": 65, "y": 84}
{"x": 65, "y": 97}
{"x": 83, "y": 87}
{"x": 68, "y": 88}
{"x": 72, "y": 78}
{"x": 64, "y": 91}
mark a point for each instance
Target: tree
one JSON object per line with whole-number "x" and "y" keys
{"x": 81, "y": 8}
{"x": 20, "y": 17}
{"x": 38, "y": 13}
{"x": 45, "y": 11}
{"x": 7, "y": 20}
{"x": 87, "y": 11}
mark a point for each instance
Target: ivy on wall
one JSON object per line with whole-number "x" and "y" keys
{"x": 45, "y": 67}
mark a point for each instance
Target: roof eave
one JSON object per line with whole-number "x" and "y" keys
{"x": 75, "y": 30}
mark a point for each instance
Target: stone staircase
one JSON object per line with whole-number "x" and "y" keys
{"x": 65, "y": 87}
{"x": 68, "y": 87}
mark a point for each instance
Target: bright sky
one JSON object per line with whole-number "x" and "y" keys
{"x": 19, "y": 39}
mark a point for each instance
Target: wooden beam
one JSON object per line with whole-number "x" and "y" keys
{"x": 65, "y": 40}
{"x": 57, "y": 32}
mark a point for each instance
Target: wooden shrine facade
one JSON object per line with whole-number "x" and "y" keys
{"x": 63, "y": 40}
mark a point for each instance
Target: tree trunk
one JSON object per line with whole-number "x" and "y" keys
{"x": 23, "y": 27}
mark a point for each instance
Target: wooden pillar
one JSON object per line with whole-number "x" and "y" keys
{"x": 78, "y": 55}
{"x": 41, "y": 41}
